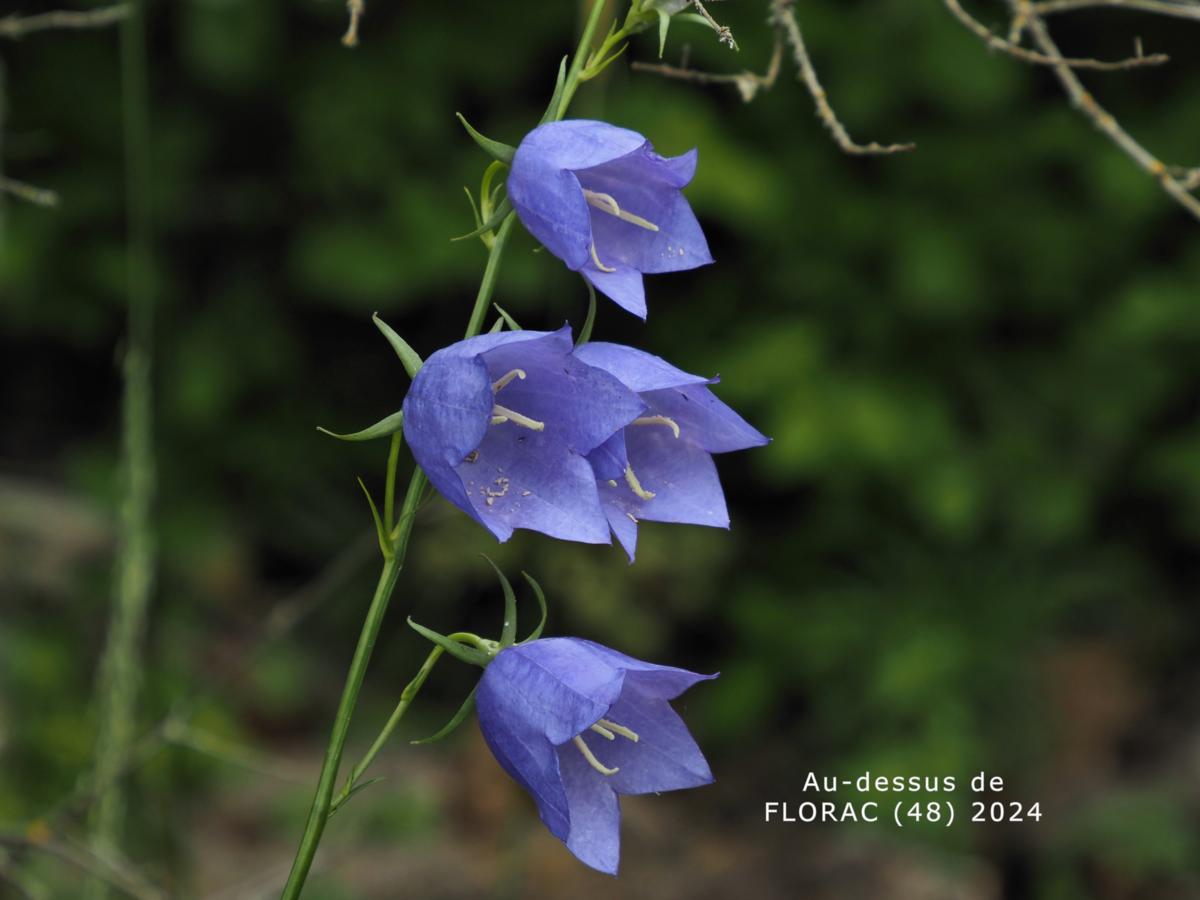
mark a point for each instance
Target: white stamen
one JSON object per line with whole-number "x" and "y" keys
{"x": 636, "y": 486}
{"x": 608, "y": 203}
{"x": 503, "y": 381}
{"x": 603, "y": 732}
{"x": 619, "y": 729}
{"x": 592, "y": 761}
{"x": 599, "y": 265}
{"x": 502, "y": 414}
{"x": 657, "y": 420}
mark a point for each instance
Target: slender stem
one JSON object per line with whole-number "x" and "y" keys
{"x": 120, "y": 675}
{"x": 389, "y": 492}
{"x": 488, "y": 286}
{"x": 323, "y": 805}
{"x": 319, "y": 814}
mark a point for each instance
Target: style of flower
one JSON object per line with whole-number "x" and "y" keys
{"x": 501, "y": 423}
{"x": 659, "y": 468}
{"x": 601, "y": 200}
{"x": 577, "y": 724}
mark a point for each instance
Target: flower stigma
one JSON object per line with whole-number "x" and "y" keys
{"x": 608, "y": 203}
{"x": 658, "y": 420}
{"x": 502, "y": 414}
{"x": 624, "y": 732}
{"x": 599, "y": 265}
{"x": 504, "y": 380}
{"x": 590, "y": 757}
{"x": 636, "y": 486}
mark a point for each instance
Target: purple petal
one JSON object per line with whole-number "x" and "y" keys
{"x": 624, "y": 287}
{"x": 559, "y": 686}
{"x": 577, "y": 144}
{"x": 550, "y": 204}
{"x": 622, "y": 522}
{"x": 680, "y": 474}
{"x": 522, "y": 751}
{"x": 527, "y": 479}
{"x": 447, "y": 409}
{"x": 638, "y": 370}
{"x": 658, "y": 682}
{"x": 703, "y": 419}
{"x": 580, "y": 405}
{"x": 595, "y": 812}
{"x": 664, "y": 758}
{"x": 609, "y": 460}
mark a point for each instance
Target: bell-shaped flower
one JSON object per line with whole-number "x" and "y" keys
{"x": 577, "y": 724}
{"x": 601, "y": 200}
{"x": 659, "y": 468}
{"x": 501, "y": 424}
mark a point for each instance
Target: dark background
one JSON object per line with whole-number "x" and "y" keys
{"x": 970, "y": 547}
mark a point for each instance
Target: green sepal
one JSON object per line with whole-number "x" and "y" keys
{"x": 541, "y": 599}
{"x": 508, "y": 631}
{"x": 556, "y": 97}
{"x": 664, "y": 24}
{"x": 385, "y": 427}
{"x": 497, "y": 325}
{"x": 459, "y": 717}
{"x": 585, "y": 333}
{"x": 362, "y": 785}
{"x": 474, "y": 207}
{"x": 508, "y": 320}
{"x": 494, "y": 149}
{"x": 459, "y": 651}
{"x": 590, "y": 73}
{"x": 491, "y": 224}
{"x": 409, "y": 357}
{"x": 385, "y": 543}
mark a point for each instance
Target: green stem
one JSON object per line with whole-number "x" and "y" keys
{"x": 319, "y": 814}
{"x": 323, "y": 804}
{"x": 120, "y": 673}
{"x": 389, "y": 491}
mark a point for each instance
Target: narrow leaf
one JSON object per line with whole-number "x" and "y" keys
{"x": 556, "y": 97}
{"x": 385, "y": 544}
{"x": 459, "y": 718}
{"x": 508, "y": 320}
{"x": 491, "y": 224}
{"x": 541, "y": 599}
{"x": 409, "y": 357}
{"x": 494, "y": 149}
{"x": 338, "y": 804}
{"x": 474, "y": 208}
{"x": 664, "y": 23}
{"x": 508, "y": 631}
{"x": 461, "y": 652}
{"x": 383, "y": 428}
{"x": 497, "y": 325}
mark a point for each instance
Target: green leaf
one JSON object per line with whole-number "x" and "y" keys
{"x": 664, "y": 23}
{"x": 385, "y": 427}
{"x": 409, "y": 357}
{"x": 508, "y": 320}
{"x": 459, "y": 651}
{"x": 508, "y": 631}
{"x": 491, "y": 224}
{"x": 541, "y": 599}
{"x": 585, "y": 333}
{"x": 556, "y": 97}
{"x": 459, "y": 718}
{"x": 494, "y": 149}
{"x": 362, "y": 785}
{"x": 385, "y": 544}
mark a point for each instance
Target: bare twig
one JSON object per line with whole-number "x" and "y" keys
{"x": 1158, "y": 7}
{"x": 27, "y": 192}
{"x": 119, "y": 877}
{"x": 783, "y": 18}
{"x": 356, "y": 8}
{"x": 995, "y": 42}
{"x": 748, "y": 83}
{"x": 724, "y": 34}
{"x": 17, "y": 27}
{"x": 1082, "y": 100}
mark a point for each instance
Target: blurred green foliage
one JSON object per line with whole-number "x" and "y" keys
{"x": 971, "y": 545}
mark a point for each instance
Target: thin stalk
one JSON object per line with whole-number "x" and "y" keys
{"x": 389, "y": 491}
{"x": 322, "y": 806}
{"x": 120, "y": 672}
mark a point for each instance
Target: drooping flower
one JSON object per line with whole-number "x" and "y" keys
{"x": 659, "y": 468}
{"x": 501, "y": 424}
{"x": 601, "y": 200}
{"x": 577, "y": 724}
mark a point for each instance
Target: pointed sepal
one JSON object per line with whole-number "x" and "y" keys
{"x": 385, "y": 427}
{"x": 409, "y": 357}
{"x": 457, "y": 649}
{"x": 495, "y": 149}
{"x": 465, "y": 710}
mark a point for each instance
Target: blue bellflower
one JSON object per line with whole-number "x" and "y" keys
{"x": 577, "y": 724}
{"x": 601, "y": 200}
{"x": 659, "y": 468}
{"x": 501, "y": 425}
